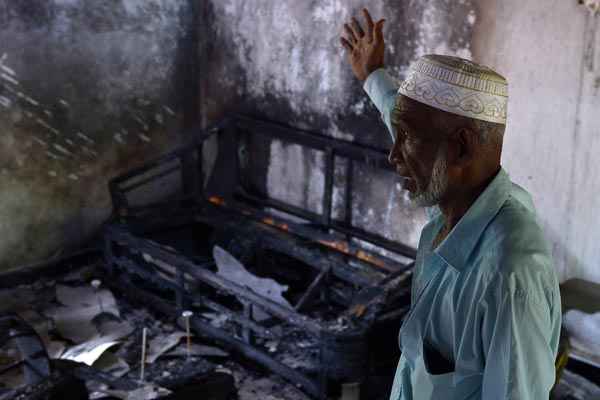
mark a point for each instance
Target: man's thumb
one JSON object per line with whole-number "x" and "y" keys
{"x": 379, "y": 30}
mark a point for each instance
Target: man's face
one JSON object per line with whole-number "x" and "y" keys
{"x": 419, "y": 154}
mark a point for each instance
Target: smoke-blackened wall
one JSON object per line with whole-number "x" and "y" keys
{"x": 282, "y": 61}
{"x": 88, "y": 89}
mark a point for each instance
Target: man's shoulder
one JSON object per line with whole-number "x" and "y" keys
{"x": 516, "y": 228}
{"x": 514, "y": 244}
{"x": 516, "y": 225}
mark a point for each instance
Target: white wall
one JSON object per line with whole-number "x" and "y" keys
{"x": 549, "y": 50}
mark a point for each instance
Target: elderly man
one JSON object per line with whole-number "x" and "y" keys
{"x": 485, "y": 316}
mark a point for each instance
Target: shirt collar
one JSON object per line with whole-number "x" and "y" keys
{"x": 460, "y": 242}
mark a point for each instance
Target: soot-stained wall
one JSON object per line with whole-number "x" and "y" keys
{"x": 282, "y": 61}
{"x": 88, "y": 89}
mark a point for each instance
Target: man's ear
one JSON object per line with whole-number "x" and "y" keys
{"x": 462, "y": 147}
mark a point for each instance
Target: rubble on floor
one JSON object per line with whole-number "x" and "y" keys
{"x": 99, "y": 356}
{"x": 101, "y": 329}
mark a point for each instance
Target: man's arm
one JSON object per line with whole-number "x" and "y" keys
{"x": 519, "y": 335}
{"x": 382, "y": 91}
{"x": 366, "y": 52}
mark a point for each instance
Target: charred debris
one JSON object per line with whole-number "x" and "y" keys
{"x": 305, "y": 297}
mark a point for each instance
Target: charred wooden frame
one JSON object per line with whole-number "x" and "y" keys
{"x": 371, "y": 287}
{"x": 240, "y": 125}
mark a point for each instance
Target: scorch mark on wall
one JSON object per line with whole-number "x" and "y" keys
{"x": 305, "y": 70}
{"x": 78, "y": 148}
{"x": 79, "y": 66}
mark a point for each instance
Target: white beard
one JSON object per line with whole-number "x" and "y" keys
{"x": 438, "y": 184}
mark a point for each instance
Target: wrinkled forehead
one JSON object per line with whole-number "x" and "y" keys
{"x": 403, "y": 106}
{"x": 409, "y": 114}
{"x": 421, "y": 119}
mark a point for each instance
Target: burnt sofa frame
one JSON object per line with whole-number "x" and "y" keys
{"x": 371, "y": 289}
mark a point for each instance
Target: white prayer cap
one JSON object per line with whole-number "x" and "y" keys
{"x": 457, "y": 86}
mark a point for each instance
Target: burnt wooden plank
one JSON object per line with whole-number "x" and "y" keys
{"x": 312, "y": 289}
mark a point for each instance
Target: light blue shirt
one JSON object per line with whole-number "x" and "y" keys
{"x": 485, "y": 302}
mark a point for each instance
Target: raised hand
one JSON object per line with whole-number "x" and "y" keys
{"x": 365, "y": 49}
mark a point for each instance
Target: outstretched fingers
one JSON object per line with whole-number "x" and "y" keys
{"x": 370, "y": 24}
{"x": 379, "y": 31}
{"x": 351, "y": 35}
{"x": 358, "y": 30}
{"x": 347, "y": 45}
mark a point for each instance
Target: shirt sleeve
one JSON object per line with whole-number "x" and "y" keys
{"x": 518, "y": 334}
{"x": 396, "y": 393}
{"x": 382, "y": 90}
